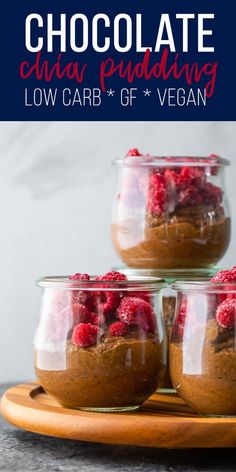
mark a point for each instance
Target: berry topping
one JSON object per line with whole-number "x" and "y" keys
{"x": 211, "y": 194}
{"x": 113, "y": 276}
{"x": 95, "y": 319}
{"x": 107, "y": 302}
{"x": 133, "y": 152}
{"x": 80, "y": 313}
{"x": 223, "y": 276}
{"x": 226, "y": 314}
{"x": 135, "y": 311}
{"x": 233, "y": 271}
{"x": 190, "y": 197}
{"x": 143, "y": 295}
{"x": 157, "y": 194}
{"x": 179, "y": 187}
{"x": 79, "y": 276}
{"x": 85, "y": 335}
{"x": 119, "y": 328}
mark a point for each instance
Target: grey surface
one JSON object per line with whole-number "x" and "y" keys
{"x": 56, "y": 190}
{"x": 21, "y": 451}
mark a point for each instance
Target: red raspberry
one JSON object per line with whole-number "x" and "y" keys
{"x": 226, "y": 314}
{"x": 143, "y": 295}
{"x": 190, "y": 197}
{"x": 79, "y": 276}
{"x": 95, "y": 319}
{"x": 223, "y": 276}
{"x": 80, "y": 313}
{"x": 192, "y": 176}
{"x": 133, "y": 152}
{"x": 233, "y": 271}
{"x": 172, "y": 178}
{"x": 85, "y": 335}
{"x": 108, "y": 302}
{"x": 211, "y": 194}
{"x": 134, "y": 311}
{"x": 119, "y": 328}
{"x": 157, "y": 195}
{"x": 113, "y": 276}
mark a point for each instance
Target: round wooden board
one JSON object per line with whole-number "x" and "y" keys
{"x": 164, "y": 421}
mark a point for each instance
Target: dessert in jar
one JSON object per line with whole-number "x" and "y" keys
{"x": 203, "y": 344}
{"x": 170, "y": 212}
{"x": 169, "y": 299}
{"x": 100, "y": 342}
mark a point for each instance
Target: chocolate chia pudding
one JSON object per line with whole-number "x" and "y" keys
{"x": 100, "y": 343}
{"x": 170, "y": 217}
{"x": 213, "y": 390}
{"x": 118, "y": 372}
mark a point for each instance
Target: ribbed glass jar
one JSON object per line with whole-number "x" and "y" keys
{"x": 170, "y": 212}
{"x": 100, "y": 345}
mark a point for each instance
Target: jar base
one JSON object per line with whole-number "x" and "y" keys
{"x": 118, "y": 409}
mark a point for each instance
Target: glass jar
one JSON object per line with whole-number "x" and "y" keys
{"x": 170, "y": 212}
{"x": 203, "y": 347}
{"x": 169, "y": 299}
{"x": 100, "y": 346}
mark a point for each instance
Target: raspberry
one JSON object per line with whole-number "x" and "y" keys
{"x": 133, "y": 152}
{"x": 192, "y": 176}
{"x": 135, "y": 311}
{"x": 226, "y": 314}
{"x": 95, "y": 319}
{"x": 107, "y": 302}
{"x": 223, "y": 276}
{"x": 119, "y": 328}
{"x": 80, "y": 296}
{"x": 79, "y": 276}
{"x": 157, "y": 195}
{"x": 80, "y": 313}
{"x": 85, "y": 334}
{"x": 211, "y": 194}
{"x": 233, "y": 271}
{"x": 190, "y": 197}
{"x": 113, "y": 276}
{"x": 143, "y": 295}
{"x": 172, "y": 178}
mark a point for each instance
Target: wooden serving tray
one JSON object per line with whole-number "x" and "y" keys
{"x": 164, "y": 421}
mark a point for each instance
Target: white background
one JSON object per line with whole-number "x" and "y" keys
{"x": 56, "y": 186}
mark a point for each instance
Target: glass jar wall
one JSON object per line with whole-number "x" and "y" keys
{"x": 169, "y": 297}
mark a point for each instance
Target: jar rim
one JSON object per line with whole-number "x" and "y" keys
{"x": 204, "y": 286}
{"x": 171, "y": 275}
{"x": 135, "y": 283}
{"x": 171, "y": 161}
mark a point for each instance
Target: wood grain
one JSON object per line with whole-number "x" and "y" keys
{"x": 164, "y": 421}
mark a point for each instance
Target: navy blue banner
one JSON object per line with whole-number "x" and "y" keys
{"x": 90, "y": 60}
